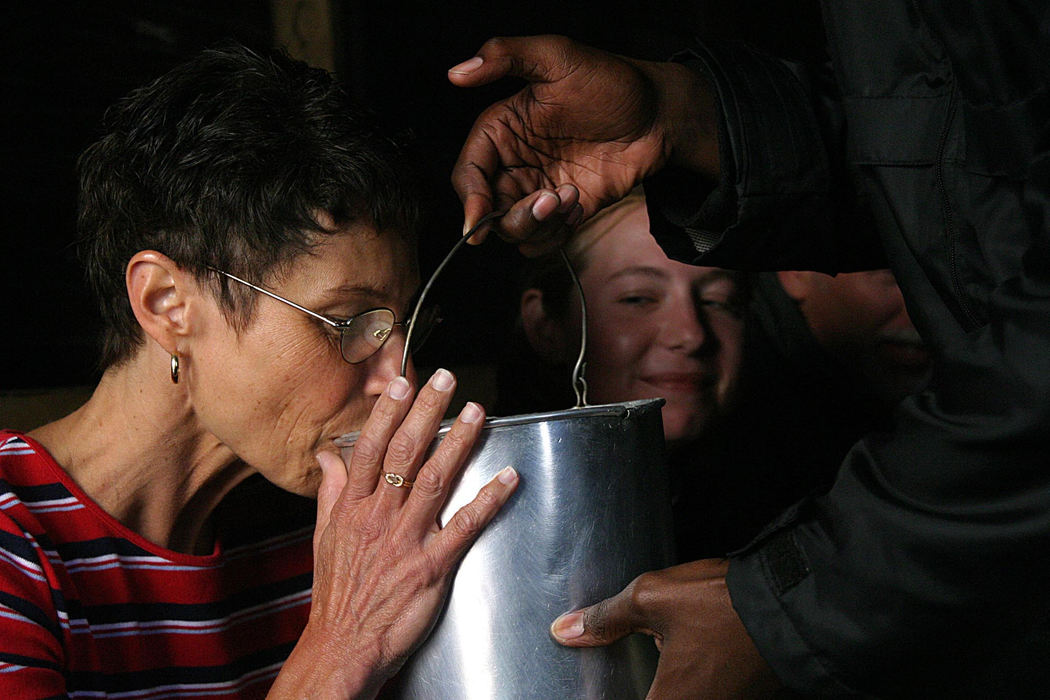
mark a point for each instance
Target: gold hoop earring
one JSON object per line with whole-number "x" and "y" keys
{"x": 174, "y": 368}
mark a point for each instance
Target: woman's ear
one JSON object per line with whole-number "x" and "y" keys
{"x": 545, "y": 334}
{"x": 158, "y": 290}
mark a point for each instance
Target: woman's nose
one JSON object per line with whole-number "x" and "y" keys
{"x": 683, "y": 326}
{"x": 385, "y": 364}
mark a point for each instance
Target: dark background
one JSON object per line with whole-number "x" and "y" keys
{"x": 64, "y": 63}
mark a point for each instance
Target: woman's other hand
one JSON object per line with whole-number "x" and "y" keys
{"x": 382, "y": 564}
{"x": 586, "y": 129}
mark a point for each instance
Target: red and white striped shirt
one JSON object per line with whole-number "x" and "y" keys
{"x": 89, "y": 608}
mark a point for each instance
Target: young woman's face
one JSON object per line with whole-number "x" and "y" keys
{"x": 659, "y": 328}
{"x": 280, "y": 391}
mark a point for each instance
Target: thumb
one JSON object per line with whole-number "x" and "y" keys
{"x": 537, "y": 59}
{"x": 333, "y": 479}
{"x": 599, "y": 625}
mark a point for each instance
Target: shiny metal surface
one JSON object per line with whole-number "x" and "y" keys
{"x": 591, "y": 512}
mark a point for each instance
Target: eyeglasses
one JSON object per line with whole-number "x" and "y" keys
{"x": 362, "y": 334}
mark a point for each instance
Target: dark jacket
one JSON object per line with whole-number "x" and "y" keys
{"x": 925, "y": 569}
{"x": 797, "y": 413}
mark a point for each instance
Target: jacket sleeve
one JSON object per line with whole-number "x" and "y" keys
{"x": 781, "y": 203}
{"x": 924, "y": 569}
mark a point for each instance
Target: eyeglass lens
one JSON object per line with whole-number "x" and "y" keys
{"x": 365, "y": 334}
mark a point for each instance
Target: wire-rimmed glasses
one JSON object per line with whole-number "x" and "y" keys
{"x": 363, "y": 334}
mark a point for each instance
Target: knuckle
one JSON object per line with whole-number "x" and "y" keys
{"x": 559, "y": 43}
{"x": 430, "y": 482}
{"x": 369, "y": 531}
{"x": 431, "y": 400}
{"x": 367, "y": 450}
{"x": 595, "y": 619}
{"x": 401, "y": 451}
{"x": 466, "y": 524}
{"x": 487, "y": 500}
{"x": 435, "y": 568}
{"x": 644, "y": 593}
{"x": 495, "y": 45}
{"x": 456, "y": 441}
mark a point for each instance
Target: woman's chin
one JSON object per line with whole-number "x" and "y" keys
{"x": 305, "y": 484}
{"x": 682, "y": 429}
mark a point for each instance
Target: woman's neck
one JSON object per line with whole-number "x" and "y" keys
{"x": 137, "y": 449}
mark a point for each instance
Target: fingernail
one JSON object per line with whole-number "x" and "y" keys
{"x": 477, "y": 231}
{"x": 574, "y": 216}
{"x": 568, "y": 195}
{"x": 470, "y": 413}
{"x": 398, "y": 388}
{"x": 568, "y": 626}
{"x": 507, "y": 475}
{"x": 545, "y": 206}
{"x": 442, "y": 380}
{"x": 468, "y": 66}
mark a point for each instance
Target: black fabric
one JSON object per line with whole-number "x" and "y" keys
{"x": 776, "y": 188}
{"x": 928, "y": 574}
{"x": 797, "y": 416}
{"x": 786, "y": 562}
{"x": 799, "y": 409}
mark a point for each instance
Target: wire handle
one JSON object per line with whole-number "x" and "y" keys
{"x": 579, "y": 384}
{"x": 430, "y": 282}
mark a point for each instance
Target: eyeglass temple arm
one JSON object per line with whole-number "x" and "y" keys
{"x": 270, "y": 294}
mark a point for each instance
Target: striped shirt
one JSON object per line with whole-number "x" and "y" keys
{"x": 89, "y": 609}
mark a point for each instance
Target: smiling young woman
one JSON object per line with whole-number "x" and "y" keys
{"x": 655, "y": 327}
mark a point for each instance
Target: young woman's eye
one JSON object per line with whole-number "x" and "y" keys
{"x": 637, "y": 297}
{"x": 636, "y": 300}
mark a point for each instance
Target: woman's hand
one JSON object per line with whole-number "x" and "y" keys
{"x": 382, "y": 564}
{"x": 587, "y": 128}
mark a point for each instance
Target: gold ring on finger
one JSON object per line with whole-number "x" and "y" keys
{"x": 397, "y": 481}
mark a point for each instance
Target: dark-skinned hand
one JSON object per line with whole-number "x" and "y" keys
{"x": 587, "y": 127}
{"x": 705, "y": 651}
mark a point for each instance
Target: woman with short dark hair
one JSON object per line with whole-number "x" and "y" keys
{"x": 250, "y": 234}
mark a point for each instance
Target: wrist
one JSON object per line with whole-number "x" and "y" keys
{"x": 320, "y": 668}
{"x": 688, "y": 117}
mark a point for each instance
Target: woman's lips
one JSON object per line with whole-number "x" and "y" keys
{"x": 683, "y": 382}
